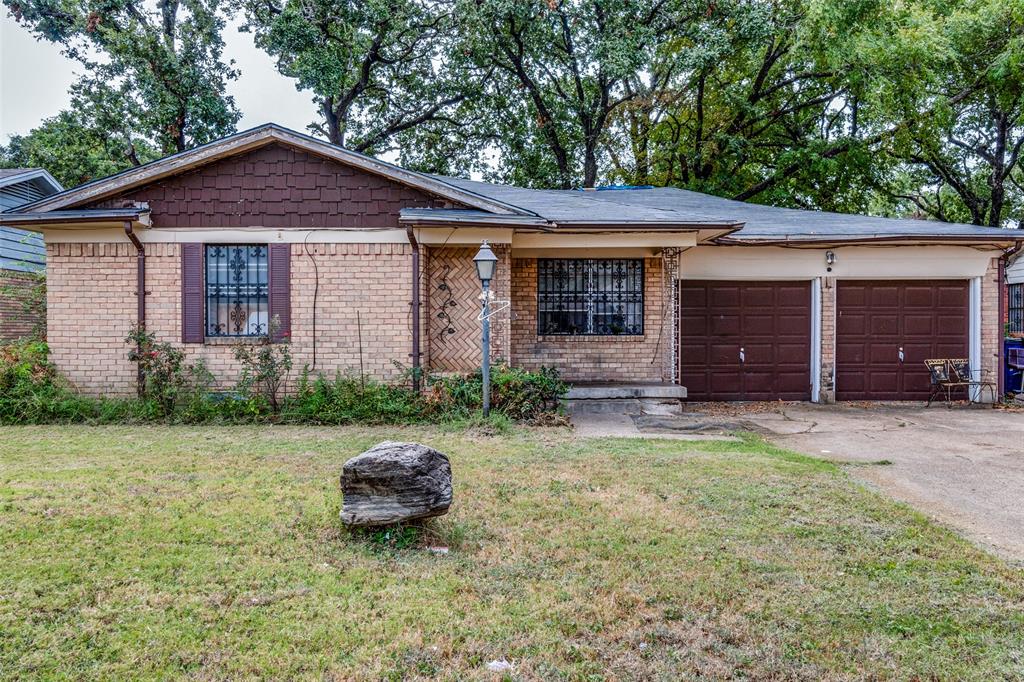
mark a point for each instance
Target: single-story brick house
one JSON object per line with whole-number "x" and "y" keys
{"x": 367, "y": 265}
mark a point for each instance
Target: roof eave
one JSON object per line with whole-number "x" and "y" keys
{"x": 85, "y": 218}
{"x": 835, "y": 240}
{"x": 33, "y": 174}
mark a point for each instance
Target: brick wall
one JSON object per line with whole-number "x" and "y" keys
{"x": 991, "y": 324}
{"x": 592, "y": 358}
{"x": 92, "y": 307}
{"x": 827, "y": 392}
{"x": 452, "y": 297}
{"x": 15, "y": 321}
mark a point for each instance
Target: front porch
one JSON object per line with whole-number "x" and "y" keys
{"x": 628, "y": 351}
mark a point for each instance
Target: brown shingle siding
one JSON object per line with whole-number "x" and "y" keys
{"x": 276, "y": 186}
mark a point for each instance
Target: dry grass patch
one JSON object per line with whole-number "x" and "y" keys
{"x": 216, "y": 553}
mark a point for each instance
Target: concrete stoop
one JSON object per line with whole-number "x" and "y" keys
{"x": 628, "y": 399}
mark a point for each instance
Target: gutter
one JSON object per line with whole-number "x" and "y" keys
{"x": 415, "y": 307}
{"x": 140, "y": 291}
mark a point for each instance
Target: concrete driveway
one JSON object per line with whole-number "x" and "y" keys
{"x": 963, "y": 466}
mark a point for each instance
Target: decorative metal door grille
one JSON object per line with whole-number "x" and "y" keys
{"x": 594, "y": 297}
{"x": 1016, "y": 308}
{"x": 237, "y": 301}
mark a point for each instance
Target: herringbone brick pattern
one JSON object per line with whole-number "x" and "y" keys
{"x": 453, "y": 299}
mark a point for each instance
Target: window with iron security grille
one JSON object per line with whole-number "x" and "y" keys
{"x": 591, "y": 297}
{"x": 237, "y": 290}
{"x": 1016, "y": 308}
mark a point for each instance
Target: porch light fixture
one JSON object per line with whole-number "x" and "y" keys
{"x": 830, "y": 259}
{"x": 486, "y": 261}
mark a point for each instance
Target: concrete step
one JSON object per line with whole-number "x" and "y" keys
{"x": 626, "y": 391}
{"x": 627, "y": 399}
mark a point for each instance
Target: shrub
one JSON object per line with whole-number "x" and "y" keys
{"x": 167, "y": 381}
{"x": 31, "y": 391}
{"x": 265, "y": 367}
{"x": 348, "y": 400}
{"x": 518, "y": 394}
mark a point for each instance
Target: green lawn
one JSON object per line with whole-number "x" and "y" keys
{"x": 216, "y": 553}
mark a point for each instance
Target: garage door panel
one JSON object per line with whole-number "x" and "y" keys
{"x": 883, "y": 297}
{"x": 927, "y": 319}
{"x": 851, "y": 323}
{"x": 727, "y": 354}
{"x": 759, "y": 324}
{"x": 953, "y": 297}
{"x": 769, "y": 320}
{"x": 725, "y": 297}
{"x": 725, "y": 325}
{"x": 917, "y": 324}
{"x": 886, "y": 324}
{"x": 693, "y": 354}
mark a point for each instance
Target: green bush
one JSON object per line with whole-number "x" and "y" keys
{"x": 518, "y": 394}
{"x": 32, "y": 392}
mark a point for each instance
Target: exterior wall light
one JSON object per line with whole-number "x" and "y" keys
{"x": 830, "y": 259}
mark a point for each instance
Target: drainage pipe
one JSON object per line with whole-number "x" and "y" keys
{"x": 140, "y": 287}
{"x": 415, "y": 308}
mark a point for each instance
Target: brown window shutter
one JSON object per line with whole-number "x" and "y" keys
{"x": 280, "y": 289}
{"x": 192, "y": 293}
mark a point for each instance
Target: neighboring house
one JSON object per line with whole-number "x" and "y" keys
{"x": 1015, "y": 297}
{"x": 367, "y": 265}
{"x": 21, "y": 253}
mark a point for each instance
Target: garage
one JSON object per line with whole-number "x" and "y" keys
{"x": 885, "y": 330}
{"x": 745, "y": 340}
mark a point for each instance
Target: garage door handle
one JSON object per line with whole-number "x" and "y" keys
{"x": 901, "y": 353}
{"x": 743, "y": 356}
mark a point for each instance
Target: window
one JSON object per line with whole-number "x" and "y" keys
{"x": 1016, "y": 308}
{"x": 590, "y": 297}
{"x": 237, "y": 300}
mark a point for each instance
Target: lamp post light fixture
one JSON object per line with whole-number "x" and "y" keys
{"x": 486, "y": 262}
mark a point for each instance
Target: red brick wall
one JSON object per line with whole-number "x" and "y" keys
{"x": 15, "y": 321}
{"x": 276, "y": 186}
{"x": 592, "y": 358}
{"x": 92, "y": 307}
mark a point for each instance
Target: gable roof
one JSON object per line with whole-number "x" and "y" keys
{"x": 11, "y": 176}
{"x": 254, "y": 138}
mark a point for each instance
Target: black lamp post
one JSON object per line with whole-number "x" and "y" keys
{"x": 486, "y": 261}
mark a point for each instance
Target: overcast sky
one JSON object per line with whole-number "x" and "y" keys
{"x": 34, "y": 81}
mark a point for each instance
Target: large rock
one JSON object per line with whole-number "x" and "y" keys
{"x": 393, "y": 482}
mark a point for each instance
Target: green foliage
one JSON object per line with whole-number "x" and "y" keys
{"x": 380, "y": 71}
{"x": 154, "y": 78}
{"x": 265, "y": 367}
{"x": 32, "y": 392}
{"x": 28, "y": 292}
{"x": 518, "y": 394}
{"x": 350, "y": 400}
{"x": 168, "y": 381}
{"x": 77, "y": 145}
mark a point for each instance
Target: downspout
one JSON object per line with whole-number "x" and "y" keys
{"x": 140, "y": 285}
{"x": 415, "y": 308}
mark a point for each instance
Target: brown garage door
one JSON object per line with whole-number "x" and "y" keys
{"x": 745, "y": 340}
{"x": 875, "y": 319}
